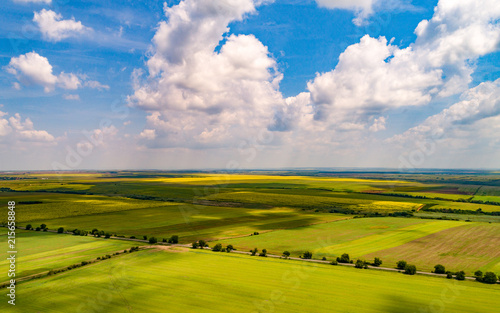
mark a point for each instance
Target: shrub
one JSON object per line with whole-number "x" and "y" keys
{"x": 60, "y": 230}
{"x": 449, "y": 275}
{"x": 479, "y": 275}
{"x": 344, "y": 258}
{"x": 286, "y": 254}
{"x": 164, "y": 240}
{"x": 401, "y": 265}
{"x": 153, "y": 240}
{"x": 195, "y": 245}
{"x": 51, "y": 272}
{"x": 108, "y": 235}
{"x": 132, "y": 237}
{"x": 377, "y": 262}
{"x": 307, "y": 255}
{"x": 324, "y": 259}
{"x": 410, "y": 269}
{"x": 334, "y": 262}
{"x": 460, "y": 275}
{"x": 439, "y": 269}
{"x": 38, "y": 229}
{"x": 489, "y": 278}
{"x": 174, "y": 239}
{"x": 263, "y": 253}
{"x": 254, "y": 251}
{"x": 229, "y": 248}
{"x": 255, "y": 232}
{"x": 45, "y": 229}
{"x": 359, "y": 263}
{"x": 145, "y": 237}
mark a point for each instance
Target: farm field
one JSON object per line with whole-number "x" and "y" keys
{"x": 191, "y": 222}
{"x": 43, "y": 251}
{"x": 469, "y": 247}
{"x": 47, "y": 206}
{"x": 235, "y": 283}
{"x": 367, "y": 238}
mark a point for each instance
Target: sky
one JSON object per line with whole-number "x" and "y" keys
{"x": 239, "y": 84}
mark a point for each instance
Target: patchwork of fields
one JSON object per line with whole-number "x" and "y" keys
{"x": 181, "y": 280}
{"x": 373, "y": 216}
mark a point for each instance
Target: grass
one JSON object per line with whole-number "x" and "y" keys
{"x": 356, "y": 237}
{"x": 469, "y": 247}
{"x": 191, "y": 222}
{"x": 202, "y": 281}
{"x": 54, "y": 205}
{"x": 43, "y": 251}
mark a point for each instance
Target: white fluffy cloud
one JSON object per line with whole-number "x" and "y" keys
{"x": 477, "y": 105}
{"x": 197, "y": 96}
{"x": 34, "y": 69}
{"x": 363, "y": 8}
{"x": 374, "y": 76}
{"x": 14, "y": 129}
{"x": 54, "y": 28}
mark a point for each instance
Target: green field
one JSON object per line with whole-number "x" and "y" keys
{"x": 43, "y": 251}
{"x": 203, "y": 281}
{"x": 368, "y": 238}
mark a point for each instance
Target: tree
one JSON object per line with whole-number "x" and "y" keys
{"x": 307, "y": 255}
{"x": 195, "y": 245}
{"x": 153, "y": 240}
{"x": 254, "y": 251}
{"x": 410, "y": 269}
{"x": 334, "y": 262}
{"x": 263, "y": 253}
{"x": 479, "y": 275}
{"x": 174, "y": 239}
{"x": 217, "y": 247}
{"x": 286, "y": 254}
{"x": 43, "y": 226}
{"x": 439, "y": 269}
{"x": 164, "y": 240}
{"x": 145, "y": 237}
{"x": 60, "y": 230}
{"x": 377, "y": 262}
{"x": 449, "y": 275}
{"x": 202, "y": 243}
{"x": 28, "y": 227}
{"x": 489, "y": 278}
{"x": 401, "y": 265}
{"x": 344, "y": 258}
{"x": 324, "y": 259}
{"x": 359, "y": 263}
{"x": 94, "y": 231}
{"x": 229, "y": 248}
{"x": 460, "y": 275}
{"x": 38, "y": 229}
{"x": 107, "y": 235}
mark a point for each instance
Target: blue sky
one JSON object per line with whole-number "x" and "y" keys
{"x": 249, "y": 84}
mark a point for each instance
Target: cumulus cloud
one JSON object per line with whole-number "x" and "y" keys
{"x": 363, "y": 9}
{"x": 477, "y": 105}
{"x": 374, "y": 76}
{"x": 34, "y": 69}
{"x": 198, "y": 96}
{"x": 54, "y": 28}
{"x": 14, "y": 129}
